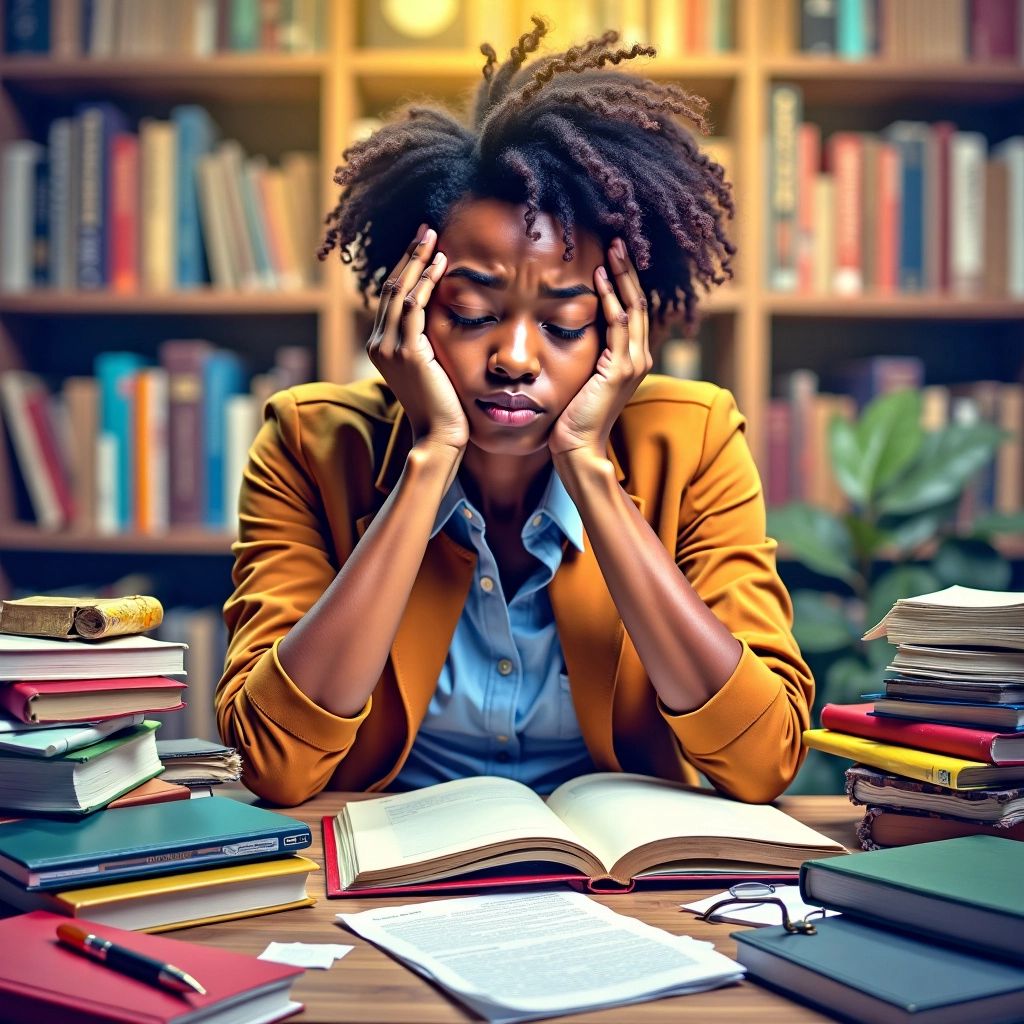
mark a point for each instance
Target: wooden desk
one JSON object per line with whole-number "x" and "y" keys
{"x": 368, "y": 986}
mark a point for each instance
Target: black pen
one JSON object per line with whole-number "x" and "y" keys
{"x": 127, "y": 961}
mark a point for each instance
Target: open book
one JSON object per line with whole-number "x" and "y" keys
{"x": 604, "y": 831}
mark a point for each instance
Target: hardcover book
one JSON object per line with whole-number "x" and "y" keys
{"x": 44, "y": 982}
{"x": 603, "y": 831}
{"x": 133, "y": 842}
{"x": 93, "y": 700}
{"x": 883, "y": 827}
{"x": 120, "y": 657}
{"x": 850, "y": 969}
{"x": 965, "y": 892}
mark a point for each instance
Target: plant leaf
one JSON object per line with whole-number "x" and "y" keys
{"x": 889, "y": 436}
{"x": 998, "y": 522}
{"x": 947, "y": 459}
{"x": 899, "y": 581}
{"x": 970, "y": 562}
{"x": 911, "y": 533}
{"x": 847, "y": 459}
{"x": 820, "y": 622}
{"x": 814, "y": 537}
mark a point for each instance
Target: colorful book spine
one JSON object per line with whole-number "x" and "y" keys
{"x": 846, "y": 159}
{"x": 27, "y": 26}
{"x": 98, "y": 123}
{"x": 197, "y": 135}
{"x": 911, "y": 138}
{"x": 61, "y": 218}
{"x": 222, "y": 377}
{"x": 124, "y": 227}
{"x": 115, "y": 372}
{"x": 818, "y": 26}
{"x": 786, "y": 105}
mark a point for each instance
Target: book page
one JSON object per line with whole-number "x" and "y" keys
{"x": 615, "y": 813}
{"x": 518, "y": 957}
{"x": 452, "y": 817}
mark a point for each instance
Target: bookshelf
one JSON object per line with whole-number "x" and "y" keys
{"x": 273, "y": 101}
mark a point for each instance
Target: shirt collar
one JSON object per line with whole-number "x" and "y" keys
{"x": 554, "y": 506}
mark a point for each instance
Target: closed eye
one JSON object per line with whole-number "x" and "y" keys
{"x": 565, "y": 333}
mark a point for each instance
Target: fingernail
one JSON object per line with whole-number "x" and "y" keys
{"x": 420, "y": 231}
{"x": 602, "y": 273}
{"x": 620, "y": 248}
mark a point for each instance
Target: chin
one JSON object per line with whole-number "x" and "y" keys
{"x": 511, "y": 443}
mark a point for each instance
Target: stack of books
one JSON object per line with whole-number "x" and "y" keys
{"x": 79, "y": 767}
{"x": 940, "y": 753}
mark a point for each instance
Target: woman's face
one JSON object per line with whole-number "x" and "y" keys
{"x": 513, "y": 325}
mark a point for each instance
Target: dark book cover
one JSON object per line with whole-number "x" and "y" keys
{"x": 27, "y": 26}
{"x": 993, "y": 29}
{"x": 818, "y": 26}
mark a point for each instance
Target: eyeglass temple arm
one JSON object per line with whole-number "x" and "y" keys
{"x": 801, "y": 927}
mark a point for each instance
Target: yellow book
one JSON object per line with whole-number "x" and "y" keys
{"x": 941, "y": 769}
{"x": 73, "y": 618}
{"x": 184, "y": 900}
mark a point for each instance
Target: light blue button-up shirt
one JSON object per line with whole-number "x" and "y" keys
{"x": 502, "y": 704}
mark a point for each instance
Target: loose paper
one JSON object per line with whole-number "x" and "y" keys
{"x": 760, "y": 913}
{"x": 305, "y": 954}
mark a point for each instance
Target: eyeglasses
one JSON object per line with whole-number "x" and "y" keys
{"x": 758, "y": 893}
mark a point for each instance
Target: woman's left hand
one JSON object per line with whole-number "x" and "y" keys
{"x": 587, "y": 421}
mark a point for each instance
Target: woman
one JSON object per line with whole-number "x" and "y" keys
{"x": 521, "y": 555}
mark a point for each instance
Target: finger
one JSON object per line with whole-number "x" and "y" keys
{"x": 390, "y": 283}
{"x": 615, "y": 316}
{"x": 635, "y": 301}
{"x": 415, "y": 266}
{"x": 415, "y": 320}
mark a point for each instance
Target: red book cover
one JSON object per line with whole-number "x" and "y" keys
{"x": 846, "y": 163}
{"x": 993, "y": 29}
{"x": 808, "y": 166}
{"x": 40, "y": 419}
{"x": 19, "y": 699}
{"x": 779, "y": 446}
{"x": 889, "y": 205}
{"x": 43, "y": 981}
{"x": 123, "y": 272}
{"x": 955, "y": 740}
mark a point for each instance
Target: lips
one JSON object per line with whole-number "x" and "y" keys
{"x": 511, "y": 400}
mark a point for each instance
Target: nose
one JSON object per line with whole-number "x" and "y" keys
{"x": 516, "y": 352}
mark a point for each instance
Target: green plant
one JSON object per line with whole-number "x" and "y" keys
{"x": 898, "y": 539}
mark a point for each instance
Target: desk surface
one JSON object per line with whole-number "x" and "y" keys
{"x": 368, "y": 986}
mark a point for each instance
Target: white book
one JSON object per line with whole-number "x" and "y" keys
{"x": 242, "y": 421}
{"x": 967, "y": 155}
{"x": 213, "y": 220}
{"x": 1011, "y": 152}
{"x": 17, "y": 181}
{"x": 158, "y": 148}
{"x": 122, "y": 657}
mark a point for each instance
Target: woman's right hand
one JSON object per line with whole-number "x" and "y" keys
{"x": 401, "y": 351}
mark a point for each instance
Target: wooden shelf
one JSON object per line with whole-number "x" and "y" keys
{"x": 204, "y": 301}
{"x": 230, "y": 76}
{"x": 827, "y": 79}
{"x": 893, "y": 307}
{"x": 25, "y": 537}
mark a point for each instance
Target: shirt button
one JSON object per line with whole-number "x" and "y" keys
{"x": 504, "y": 666}
{"x": 501, "y": 738}
{"x": 486, "y": 584}
{"x": 536, "y": 520}
{"x": 468, "y": 513}
{"x": 504, "y": 757}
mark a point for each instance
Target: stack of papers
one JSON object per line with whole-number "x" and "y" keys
{"x": 523, "y": 957}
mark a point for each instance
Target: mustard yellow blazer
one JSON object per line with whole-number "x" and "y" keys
{"x": 320, "y": 468}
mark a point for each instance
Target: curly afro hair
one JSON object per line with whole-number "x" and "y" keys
{"x": 562, "y": 135}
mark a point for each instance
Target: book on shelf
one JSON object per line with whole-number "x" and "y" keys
{"x": 965, "y": 892}
{"x": 971, "y": 744}
{"x": 89, "y": 618}
{"x": 870, "y": 787}
{"x": 44, "y": 980}
{"x": 883, "y": 827}
{"x": 82, "y": 780}
{"x": 136, "y": 842}
{"x": 943, "y": 769}
{"x": 121, "y": 657}
{"x": 47, "y": 740}
{"x": 941, "y": 709}
{"x": 848, "y": 968}
{"x": 182, "y": 900}
{"x": 199, "y": 762}
{"x": 605, "y": 830}
{"x": 55, "y": 701}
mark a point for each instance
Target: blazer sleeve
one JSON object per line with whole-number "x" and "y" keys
{"x": 290, "y": 746}
{"x": 747, "y": 738}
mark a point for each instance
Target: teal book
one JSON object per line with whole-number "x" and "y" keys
{"x": 850, "y": 970}
{"x": 115, "y": 372}
{"x": 966, "y": 892}
{"x": 150, "y": 839}
{"x": 197, "y": 134}
{"x": 82, "y": 780}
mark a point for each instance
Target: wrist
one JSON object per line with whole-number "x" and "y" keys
{"x": 582, "y": 468}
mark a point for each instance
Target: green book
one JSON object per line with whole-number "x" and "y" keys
{"x": 80, "y": 781}
{"x": 966, "y": 891}
{"x": 150, "y": 839}
{"x": 852, "y": 970}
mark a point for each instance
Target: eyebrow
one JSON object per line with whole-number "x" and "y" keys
{"x": 490, "y": 281}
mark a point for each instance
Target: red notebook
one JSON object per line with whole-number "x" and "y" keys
{"x": 92, "y": 700}
{"x": 956, "y": 740}
{"x": 44, "y": 982}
